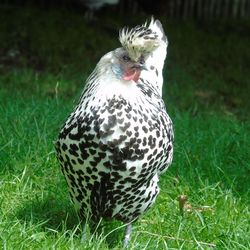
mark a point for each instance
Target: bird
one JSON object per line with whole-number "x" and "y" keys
{"x": 118, "y": 140}
{"x": 94, "y": 5}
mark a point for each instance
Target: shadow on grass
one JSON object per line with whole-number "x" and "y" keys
{"x": 57, "y": 215}
{"x": 51, "y": 213}
{"x": 112, "y": 232}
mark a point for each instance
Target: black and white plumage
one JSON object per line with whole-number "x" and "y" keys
{"x": 119, "y": 138}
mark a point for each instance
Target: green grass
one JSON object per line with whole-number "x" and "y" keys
{"x": 43, "y": 65}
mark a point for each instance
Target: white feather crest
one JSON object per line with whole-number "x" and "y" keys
{"x": 142, "y": 40}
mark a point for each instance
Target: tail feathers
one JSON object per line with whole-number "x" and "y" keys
{"x": 157, "y": 57}
{"x": 156, "y": 27}
{"x": 159, "y": 54}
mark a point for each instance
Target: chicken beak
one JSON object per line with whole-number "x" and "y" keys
{"x": 140, "y": 67}
{"x": 143, "y": 67}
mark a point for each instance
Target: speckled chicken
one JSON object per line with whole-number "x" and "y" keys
{"x": 119, "y": 138}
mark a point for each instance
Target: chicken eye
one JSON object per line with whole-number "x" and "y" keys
{"x": 126, "y": 58}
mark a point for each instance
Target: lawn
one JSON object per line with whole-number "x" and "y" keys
{"x": 45, "y": 57}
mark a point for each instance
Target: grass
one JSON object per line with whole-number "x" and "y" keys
{"x": 43, "y": 65}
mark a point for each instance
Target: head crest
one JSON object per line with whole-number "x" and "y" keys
{"x": 140, "y": 40}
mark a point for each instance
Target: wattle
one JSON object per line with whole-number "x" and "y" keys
{"x": 131, "y": 75}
